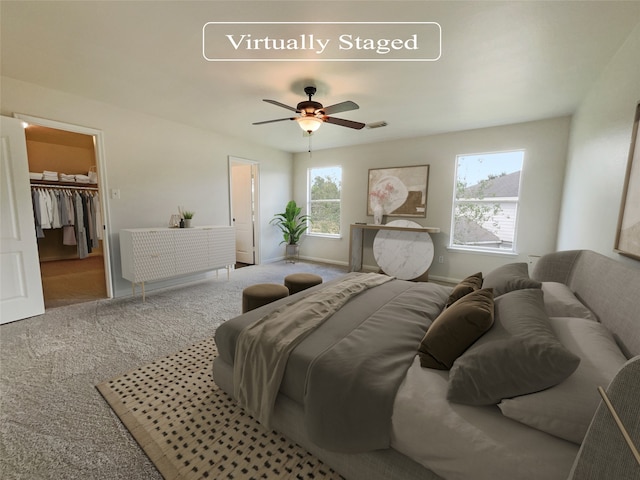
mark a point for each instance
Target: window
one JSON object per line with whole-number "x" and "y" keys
{"x": 485, "y": 204}
{"x": 323, "y": 194}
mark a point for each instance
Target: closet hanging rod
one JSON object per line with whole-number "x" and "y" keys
{"x": 62, "y": 186}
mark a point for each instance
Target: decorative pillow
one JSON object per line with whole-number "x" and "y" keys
{"x": 455, "y": 329}
{"x": 465, "y": 287}
{"x": 559, "y": 301}
{"x": 519, "y": 355}
{"x": 505, "y": 279}
{"x": 566, "y": 410}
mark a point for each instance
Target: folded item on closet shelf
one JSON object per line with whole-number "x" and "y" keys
{"x": 82, "y": 179}
{"x": 49, "y": 175}
{"x": 67, "y": 178}
{"x": 35, "y": 176}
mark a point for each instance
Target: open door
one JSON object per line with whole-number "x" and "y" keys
{"x": 20, "y": 287}
{"x": 243, "y": 181}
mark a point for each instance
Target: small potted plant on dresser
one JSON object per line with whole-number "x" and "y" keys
{"x": 187, "y": 216}
{"x": 292, "y": 225}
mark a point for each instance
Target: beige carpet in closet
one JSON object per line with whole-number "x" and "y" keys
{"x": 65, "y": 282}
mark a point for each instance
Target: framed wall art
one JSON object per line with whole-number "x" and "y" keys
{"x": 398, "y": 191}
{"x": 628, "y": 234}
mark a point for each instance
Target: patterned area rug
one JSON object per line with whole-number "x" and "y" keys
{"x": 190, "y": 429}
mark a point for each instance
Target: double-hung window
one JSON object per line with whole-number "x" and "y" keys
{"x": 324, "y": 188}
{"x": 485, "y": 203}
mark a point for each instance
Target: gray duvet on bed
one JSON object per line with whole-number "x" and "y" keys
{"x": 347, "y": 372}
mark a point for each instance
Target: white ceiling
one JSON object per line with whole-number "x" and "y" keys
{"x": 502, "y": 62}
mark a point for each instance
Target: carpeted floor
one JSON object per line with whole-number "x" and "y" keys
{"x": 192, "y": 430}
{"x": 54, "y": 424}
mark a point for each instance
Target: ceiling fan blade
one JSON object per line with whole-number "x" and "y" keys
{"x": 271, "y": 121}
{"x": 341, "y": 107}
{"x": 281, "y": 105}
{"x": 344, "y": 123}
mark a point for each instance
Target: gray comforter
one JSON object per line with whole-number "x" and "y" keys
{"x": 346, "y": 374}
{"x": 263, "y": 348}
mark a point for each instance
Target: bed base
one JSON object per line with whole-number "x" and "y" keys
{"x": 288, "y": 419}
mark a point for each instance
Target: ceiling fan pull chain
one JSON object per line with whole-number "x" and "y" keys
{"x": 310, "y": 145}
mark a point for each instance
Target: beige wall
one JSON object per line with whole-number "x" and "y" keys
{"x": 59, "y": 158}
{"x": 545, "y": 143}
{"x": 157, "y": 165}
{"x": 599, "y": 149}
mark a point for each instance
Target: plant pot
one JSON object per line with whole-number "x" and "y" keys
{"x": 187, "y": 223}
{"x": 292, "y": 253}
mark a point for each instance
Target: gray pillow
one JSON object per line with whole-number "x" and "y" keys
{"x": 519, "y": 355}
{"x": 566, "y": 410}
{"x": 560, "y": 301}
{"x": 455, "y": 329}
{"x": 465, "y": 287}
{"x": 505, "y": 279}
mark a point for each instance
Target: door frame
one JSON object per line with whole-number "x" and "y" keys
{"x": 98, "y": 146}
{"x": 255, "y": 170}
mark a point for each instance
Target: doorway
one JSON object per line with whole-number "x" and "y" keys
{"x": 64, "y": 171}
{"x": 243, "y": 188}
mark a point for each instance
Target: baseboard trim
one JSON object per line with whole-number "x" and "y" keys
{"x": 323, "y": 260}
{"x": 438, "y": 278}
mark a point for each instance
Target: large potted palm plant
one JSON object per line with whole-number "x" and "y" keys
{"x": 292, "y": 224}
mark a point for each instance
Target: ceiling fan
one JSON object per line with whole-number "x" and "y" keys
{"x": 313, "y": 114}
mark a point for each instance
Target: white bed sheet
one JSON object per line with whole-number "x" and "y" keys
{"x": 460, "y": 442}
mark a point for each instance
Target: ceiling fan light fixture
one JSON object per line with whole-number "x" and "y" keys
{"x": 309, "y": 124}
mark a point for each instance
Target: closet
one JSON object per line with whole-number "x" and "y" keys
{"x": 67, "y": 215}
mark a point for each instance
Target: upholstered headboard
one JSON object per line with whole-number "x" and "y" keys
{"x": 610, "y": 289}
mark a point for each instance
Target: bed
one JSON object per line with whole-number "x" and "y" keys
{"x": 353, "y": 390}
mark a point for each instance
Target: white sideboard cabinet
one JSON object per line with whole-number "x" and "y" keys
{"x": 150, "y": 254}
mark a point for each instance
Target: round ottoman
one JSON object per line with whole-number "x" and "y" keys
{"x": 260, "y": 294}
{"x": 296, "y": 282}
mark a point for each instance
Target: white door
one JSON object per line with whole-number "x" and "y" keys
{"x": 20, "y": 281}
{"x": 242, "y": 183}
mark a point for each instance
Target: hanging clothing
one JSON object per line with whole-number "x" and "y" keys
{"x": 85, "y": 220}
{"x": 68, "y": 203}
{"x": 98, "y": 216}
{"x": 55, "y": 209}
{"x": 76, "y": 212}
{"x": 46, "y": 209}
{"x": 64, "y": 211}
{"x": 81, "y": 233}
{"x": 69, "y": 235}
{"x": 35, "y": 199}
{"x": 91, "y": 226}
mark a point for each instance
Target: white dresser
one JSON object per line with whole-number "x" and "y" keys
{"x": 149, "y": 254}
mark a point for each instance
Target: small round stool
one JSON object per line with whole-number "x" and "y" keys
{"x": 296, "y": 282}
{"x": 260, "y": 294}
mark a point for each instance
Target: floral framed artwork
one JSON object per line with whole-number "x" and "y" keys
{"x": 398, "y": 191}
{"x": 628, "y": 234}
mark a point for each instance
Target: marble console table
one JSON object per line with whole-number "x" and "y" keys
{"x": 402, "y": 250}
